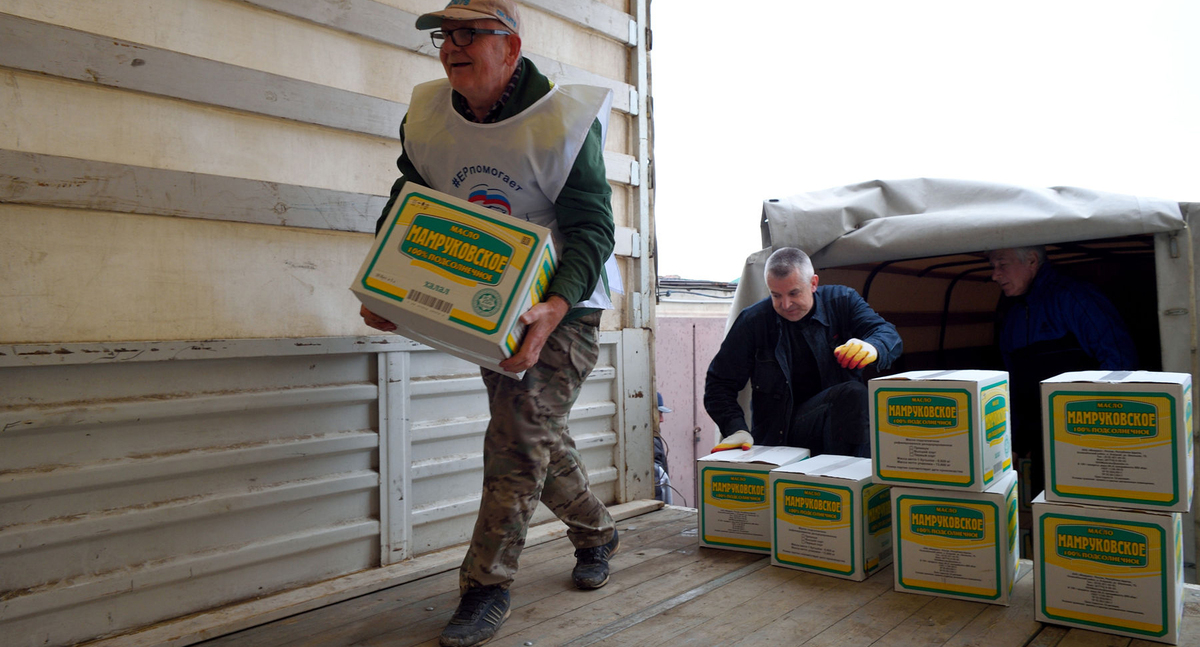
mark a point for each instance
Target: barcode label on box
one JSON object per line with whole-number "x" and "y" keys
{"x": 430, "y": 301}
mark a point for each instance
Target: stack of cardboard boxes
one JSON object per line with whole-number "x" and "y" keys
{"x": 1107, "y": 531}
{"x": 826, "y": 515}
{"x": 941, "y": 440}
{"x": 939, "y": 497}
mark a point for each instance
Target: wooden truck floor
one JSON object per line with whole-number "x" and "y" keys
{"x": 665, "y": 590}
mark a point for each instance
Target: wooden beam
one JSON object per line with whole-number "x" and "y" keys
{"x": 70, "y": 183}
{"x": 43, "y": 48}
{"x": 391, "y": 26}
{"x": 593, "y": 15}
{"x": 19, "y": 355}
{"x": 65, "y": 182}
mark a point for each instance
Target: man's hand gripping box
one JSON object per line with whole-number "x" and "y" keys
{"x": 1116, "y": 571}
{"x": 941, "y": 429}
{"x": 1120, "y": 439}
{"x": 735, "y": 496}
{"x": 957, "y": 544}
{"x": 456, "y": 276}
{"x": 831, "y": 517}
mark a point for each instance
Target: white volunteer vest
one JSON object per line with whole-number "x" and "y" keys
{"x": 517, "y": 166}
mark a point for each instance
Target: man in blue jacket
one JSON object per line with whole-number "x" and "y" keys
{"x": 802, "y": 349}
{"x": 1050, "y": 324}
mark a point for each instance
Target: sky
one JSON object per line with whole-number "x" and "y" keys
{"x": 785, "y": 97}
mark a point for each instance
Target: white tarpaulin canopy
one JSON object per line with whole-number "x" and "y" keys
{"x": 885, "y": 220}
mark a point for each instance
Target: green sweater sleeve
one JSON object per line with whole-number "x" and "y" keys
{"x": 408, "y": 173}
{"x": 585, "y": 220}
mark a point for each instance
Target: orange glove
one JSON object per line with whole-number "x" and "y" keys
{"x": 855, "y": 353}
{"x": 738, "y": 439}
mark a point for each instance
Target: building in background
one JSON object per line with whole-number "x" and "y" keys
{"x": 690, "y": 324}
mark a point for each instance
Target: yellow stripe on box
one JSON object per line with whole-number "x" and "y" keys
{"x": 1127, "y": 495}
{"x": 949, "y": 588}
{"x": 467, "y": 317}
{"x": 737, "y": 541}
{"x": 924, "y": 477}
{"x": 1107, "y": 621}
{"x": 814, "y": 563}
{"x": 386, "y": 287}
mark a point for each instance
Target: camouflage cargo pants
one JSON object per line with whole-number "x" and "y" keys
{"x": 528, "y": 455}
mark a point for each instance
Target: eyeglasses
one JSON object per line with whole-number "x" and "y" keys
{"x": 463, "y": 36}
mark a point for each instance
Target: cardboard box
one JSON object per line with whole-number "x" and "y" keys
{"x": 957, "y": 544}
{"x": 941, "y": 429}
{"x": 1110, "y": 570}
{"x": 456, "y": 276}
{"x": 1121, "y": 439}
{"x": 831, "y": 517}
{"x": 735, "y": 496}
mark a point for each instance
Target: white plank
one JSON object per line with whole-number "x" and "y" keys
{"x": 28, "y": 536}
{"x": 42, "y": 483}
{"x": 642, "y": 284}
{"x": 598, "y": 17}
{"x": 32, "y": 420}
{"x": 58, "y": 51}
{"x": 635, "y": 454}
{"x": 628, "y": 242}
{"x": 396, "y": 27}
{"x": 12, "y": 355}
{"x": 84, "y": 590}
{"x": 54, "y": 181}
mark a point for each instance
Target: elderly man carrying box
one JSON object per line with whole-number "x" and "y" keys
{"x": 499, "y": 132}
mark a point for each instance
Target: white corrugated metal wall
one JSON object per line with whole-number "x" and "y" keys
{"x": 191, "y": 413}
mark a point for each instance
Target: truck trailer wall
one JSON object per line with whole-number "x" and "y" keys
{"x": 192, "y": 414}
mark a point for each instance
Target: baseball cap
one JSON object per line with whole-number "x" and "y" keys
{"x": 503, "y": 10}
{"x": 661, "y": 406}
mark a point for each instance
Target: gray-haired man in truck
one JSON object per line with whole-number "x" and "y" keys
{"x": 1050, "y": 324}
{"x": 802, "y": 349}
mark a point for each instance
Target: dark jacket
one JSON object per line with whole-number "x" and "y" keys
{"x": 1060, "y": 324}
{"x": 1056, "y": 307}
{"x": 756, "y": 349}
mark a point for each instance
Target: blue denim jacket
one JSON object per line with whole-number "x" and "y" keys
{"x": 756, "y": 349}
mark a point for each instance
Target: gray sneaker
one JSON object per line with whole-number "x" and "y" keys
{"x": 480, "y": 613}
{"x": 591, "y": 564}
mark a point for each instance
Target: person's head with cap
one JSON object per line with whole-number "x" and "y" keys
{"x": 479, "y": 45}
{"x": 662, "y": 408}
